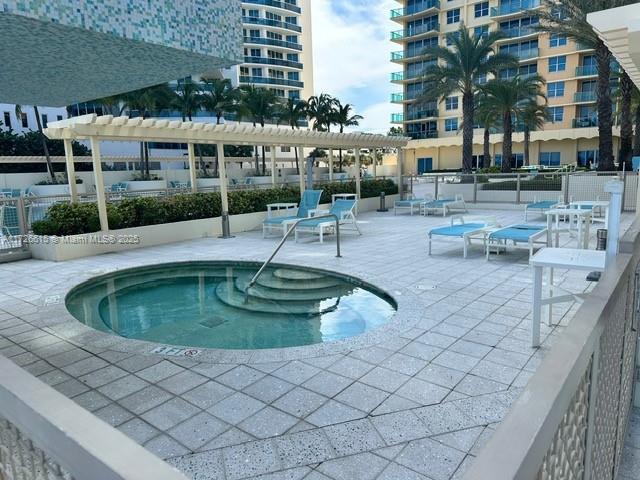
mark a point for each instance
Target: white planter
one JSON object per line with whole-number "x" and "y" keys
{"x": 140, "y": 185}
{"x": 52, "y": 190}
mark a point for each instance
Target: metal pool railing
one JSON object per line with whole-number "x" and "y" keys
{"x": 570, "y": 422}
{"x": 47, "y": 436}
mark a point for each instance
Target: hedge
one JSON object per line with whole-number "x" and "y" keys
{"x": 78, "y": 218}
{"x": 538, "y": 183}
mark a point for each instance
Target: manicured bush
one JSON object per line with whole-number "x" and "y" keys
{"x": 538, "y": 183}
{"x": 78, "y": 218}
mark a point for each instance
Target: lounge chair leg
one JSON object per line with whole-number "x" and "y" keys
{"x": 464, "y": 249}
{"x": 429, "y": 244}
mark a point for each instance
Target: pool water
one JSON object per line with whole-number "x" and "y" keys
{"x": 203, "y": 304}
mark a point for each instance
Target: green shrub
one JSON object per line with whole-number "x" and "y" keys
{"x": 78, "y": 218}
{"x": 537, "y": 183}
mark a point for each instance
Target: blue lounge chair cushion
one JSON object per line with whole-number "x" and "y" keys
{"x": 338, "y": 209}
{"x": 546, "y": 205}
{"x": 457, "y": 230}
{"x": 409, "y": 203}
{"x": 279, "y": 220}
{"x": 440, "y": 202}
{"x": 517, "y": 233}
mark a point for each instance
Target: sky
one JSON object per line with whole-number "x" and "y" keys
{"x": 351, "y": 51}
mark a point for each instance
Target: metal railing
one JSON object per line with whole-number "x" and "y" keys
{"x": 571, "y": 420}
{"x": 47, "y": 436}
{"x": 418, "y": 7}
{"x": 292, "y": 229}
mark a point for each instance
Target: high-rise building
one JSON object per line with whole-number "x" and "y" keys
{"x": 277, "y": 47}
{"x": 569, "y": 137}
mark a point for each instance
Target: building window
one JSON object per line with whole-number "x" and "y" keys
{"x": 481, "y": 9}
{"x": 555, "y": 89}
{"x": 481, "y": 31}
{"x": 588, "y": 158}
{"x": 45, "y": 120}
{"x": 256, "y": 52}
{"x": 451, "y": 125}
{"x": 59, "y": 117}
{"x": 25, "y": 121}
{"x": 285, "y": 149}
{"x": 7, "y": 120}
{"x": 450, "y": 37}
{"x": 453, "y": 16}
{"x": 293, "y": 76}
{"x": 293, "y": 57}
{"x": 254, "y": 13}
{"x": 550, "y": 159}
{"x": 451, "y": 103}
{"x": 556, "y": 114}
{"x": 294, "y": 94}
{"x": 254, "y": 33}
{"x": 256, "y": 72}
{"x": 558, "y": 64}
{"x": 292, "y": 38}
{"x": 557, "y": 40}
{"x": 482, "y": 79}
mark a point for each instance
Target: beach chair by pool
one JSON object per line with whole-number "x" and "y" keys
{"x": 343, "y": 209}
{"x": 529, "y": 235}
{"x": 444, "y": 205}
{"x": 541, "y": 206}
{"x": 308, "y": 203}
{"x": 411, "y": 204}
{"x": 465, "y": 228}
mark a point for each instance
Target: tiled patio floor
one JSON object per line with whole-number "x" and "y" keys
{"x": 417, "y": 405}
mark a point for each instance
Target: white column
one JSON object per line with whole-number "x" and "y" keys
{"x": 71, "y": 170}
{"x": 222, "y": 168}
{"x": 331, "y": 164}
{"x": 97, "y": 174}
{"x": 273, "y": 165}
{"x": 303, "y": 167}
{"x": 192, "y": 167}
{"x": 375, "y": 162}
{"x": 399, "y": 161}
{"x": 358, "y": 173}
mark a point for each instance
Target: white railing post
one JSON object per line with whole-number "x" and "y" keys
{"x": 615, "y": 188}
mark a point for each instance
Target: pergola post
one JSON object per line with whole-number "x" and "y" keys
{"x": 71, "y": 170}
{"x": 224, "y": 199}
{"x": 303, "y": 164}
{"x": 97, "y": 174}
{"x": 358, "y": 172}
{"x": 399, "y": 161}
{"x": 192, "y": 167}
{"x": 273, "y": 165}
{"x": 375, "y": 162}
{"x": 331, "y": 164}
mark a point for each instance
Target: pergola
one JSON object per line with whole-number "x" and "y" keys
{"x": 96, "y": 129}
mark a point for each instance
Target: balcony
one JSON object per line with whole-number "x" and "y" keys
{"x": 273, "y": 42}
{"x": 421, "y": 7}
{"x": 584, "y": 97}
{"x": 273, "y": 61}
{"x": 585, "y": 122}
{"x": 423, "y": 135}
{"x": 514, "y": 7}
{"x": 515, "y": 32}
{"x": 586, "y": 71}
{"x": 397, "y": 76}
{"x": 397, "y": 117}
{"x": 526, "y": 54}
{"x": 414, "y": 32}
{"x": 270, "y": 81}
{"x": 275, "y": 3}
{"x": 397, "y": 97}
{"x": 422, "y": 114}
{"x": 271, "y": 23}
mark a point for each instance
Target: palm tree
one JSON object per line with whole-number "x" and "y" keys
{"x": 187, "y": 98}
{"x": 533, "y": 116}
{"x": 291, "y": 113}
{"x": 343, "y": 118}
{"x": 510, "y": 98}
{"x": 635, "y": 105}
{"x": 220, "y": 97}
{"x": 461, "y": 65}
{"x": 626, "y": 123}
{"x": 569, "y": 18}
{"x": 259, "y": 104}
{"x": 488, "y": 117}
{"x": 322, "y": 110}
{"x": 45, "y": 148}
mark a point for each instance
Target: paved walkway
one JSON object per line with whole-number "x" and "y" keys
{"x": 419, "y": 404}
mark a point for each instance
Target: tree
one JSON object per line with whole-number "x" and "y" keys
{"x": 259, "y": 104}
{"x": 635, "y": 105}
{"x": 533, "y": 116}
{"x": 322, "y": 110}
{"x": 395, "y": 132}
{"x": 43, "y": 139}
{"x": 187, "y": 98}
{"x": 488, "y": 117}
{"x": 342, "y": 117}
{"x": 292, "y": 112}
{"x": 568, "y": 18}
{"x": 458, "y": 69}
{"x": 510, "y": 98}
{"x": 626, "y": 88}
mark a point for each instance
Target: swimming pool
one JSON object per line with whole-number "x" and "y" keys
{"x": 203, "y": 304}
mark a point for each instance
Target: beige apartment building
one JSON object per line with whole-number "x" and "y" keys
{"x": 569, "y": 70}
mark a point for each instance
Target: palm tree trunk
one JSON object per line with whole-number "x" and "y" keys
{"x": 146, "y": 161}
{"x": 44, "y": 145}
{"x": 506, "y": 143}
{"x": 636, "y": 137}
{"x": 626, "y": 125}
{"x": 527, "y": 141}
{"x": 264, "y": 163}
{"x": 605, "y": 135}
{"x": 486, "y": 154}
{"x": 467, "y": 131}
{"x": 142, "y": 159}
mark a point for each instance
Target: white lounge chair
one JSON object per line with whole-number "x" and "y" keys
{"x": 343, "y": 209}
{"x": 411, "y": 204}
{"x": 444, "y": 205}
{"x": 466, "y": 228}
{"x": 529, "y": 235}
{"x": 308, "y": 204}
{"x": 542, "y": 206}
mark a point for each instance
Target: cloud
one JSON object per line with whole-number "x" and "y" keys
{"x": 351, "y": 50}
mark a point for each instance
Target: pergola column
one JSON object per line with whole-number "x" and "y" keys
{"x": 71, "y": 170}
{"x": 224, "y": 198}
{"x": 192, "y": 167}
{"x": 302, "y": 162}
{"x": 399, "y": 162}
{"x": 358, "y": 173}
{"x": 273, "y": 165}
{"x": 331, "y": 164}
{"x": 97, "y": 174}
{"x": 375, "y": 162}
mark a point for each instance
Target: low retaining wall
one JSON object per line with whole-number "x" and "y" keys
{"x": 59, "y": 249}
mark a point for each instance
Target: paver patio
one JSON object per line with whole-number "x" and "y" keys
{"x": 418, "y": 403}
